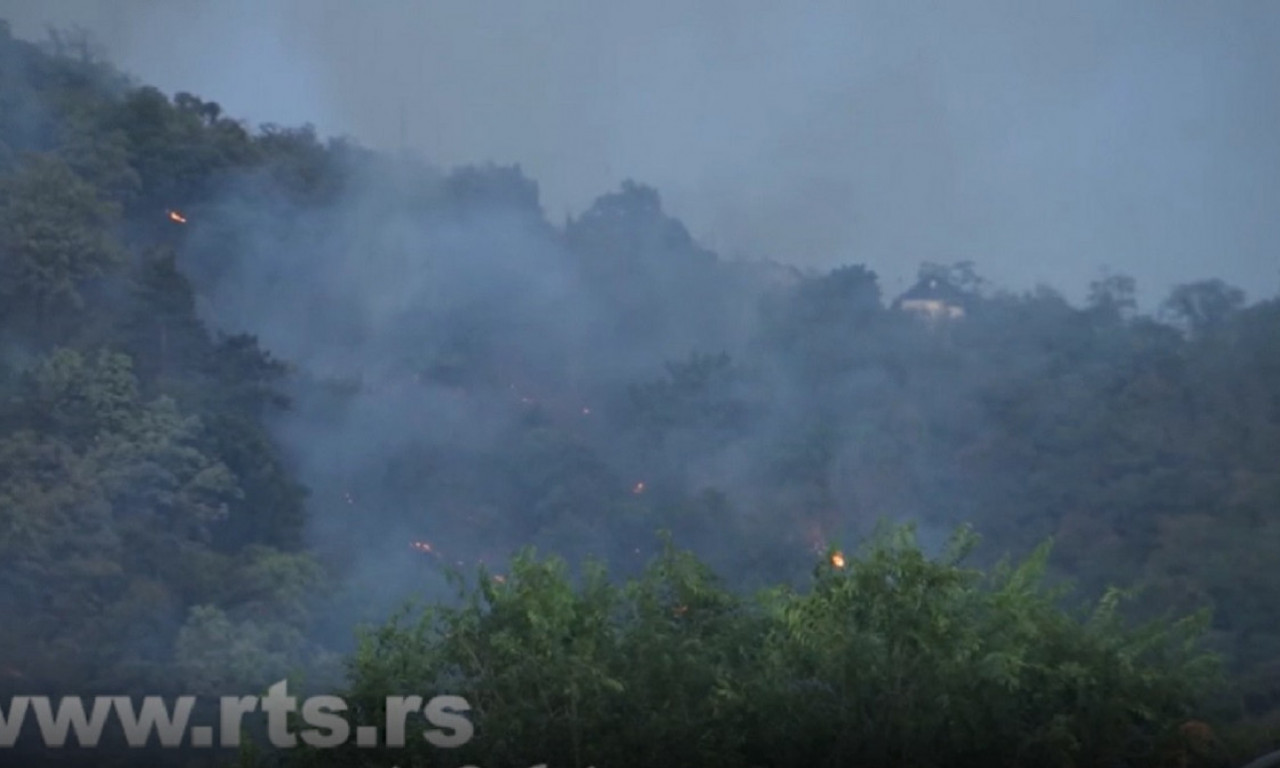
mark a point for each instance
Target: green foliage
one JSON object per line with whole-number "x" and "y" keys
{"x": 216, "y": 656}
{"x": 893, "y": 659}
{"x": 151, "y": 525}
{"x": 108, "y": 503}
{"x": 54, "y": 237}
{"x": 696, "y": 393}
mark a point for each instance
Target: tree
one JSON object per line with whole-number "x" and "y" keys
{"x": 1202, "y": 307}
{"x": 1113, "y": 297}
{"x": 159, "y": 327}
{"x": 890, "y": 658}
{"x": 54, "y": 238}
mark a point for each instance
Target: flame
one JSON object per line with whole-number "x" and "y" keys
{"x": 639, "y": 488}
{"x": 428, "y": 548}
{"x": 178, "y": 217}
{"x": 837, "y": 559}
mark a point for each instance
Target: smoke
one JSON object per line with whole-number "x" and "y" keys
{"x": 1043, "y": 143}
{"x": 465, "y": 365}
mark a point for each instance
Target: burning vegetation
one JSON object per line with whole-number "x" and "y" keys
{"x": 835, "y": 403}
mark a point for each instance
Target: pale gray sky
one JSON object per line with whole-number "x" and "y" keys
{"x": 1041, "y": 140}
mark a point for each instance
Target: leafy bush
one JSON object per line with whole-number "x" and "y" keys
{"x": 893, "y": 658}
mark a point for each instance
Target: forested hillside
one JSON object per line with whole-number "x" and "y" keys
{"x": 256, "y": 387}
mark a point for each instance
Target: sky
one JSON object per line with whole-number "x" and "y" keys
{"x": 1045, "y": 142}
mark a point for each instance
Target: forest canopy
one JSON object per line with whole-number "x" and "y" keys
{"x": 258, "y": 387}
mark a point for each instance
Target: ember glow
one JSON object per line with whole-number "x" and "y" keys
{"x": 178, "y": 217}
{"x": 837, "y": 559}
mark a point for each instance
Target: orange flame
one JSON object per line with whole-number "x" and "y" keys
{"x": 837, "y": 559}
{"x": 178, "y": 217}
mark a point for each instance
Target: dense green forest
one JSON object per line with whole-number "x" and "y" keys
{"x": 257, "y": 388}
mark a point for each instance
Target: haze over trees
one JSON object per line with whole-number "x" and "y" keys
{"x": 256, "y": 387}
